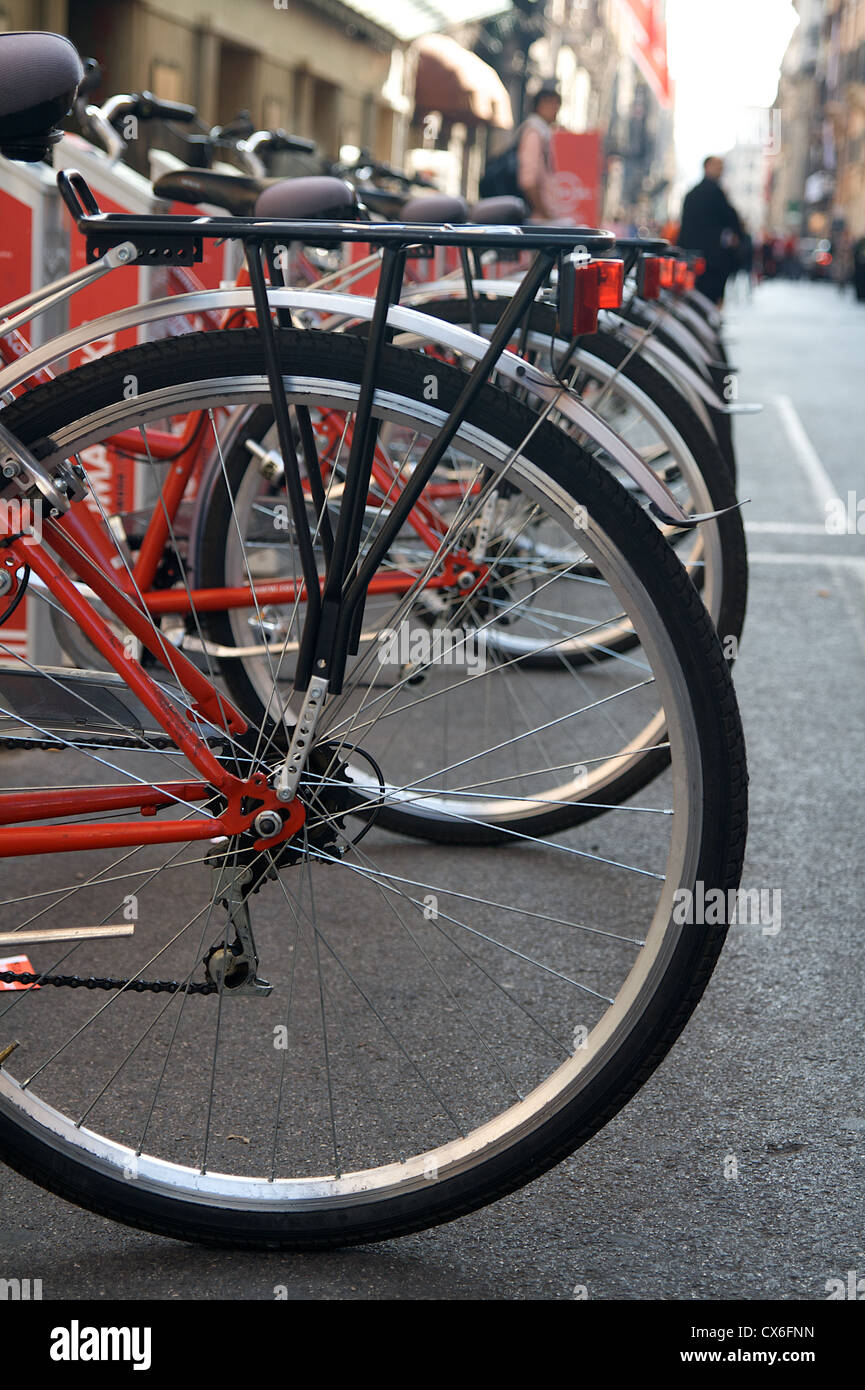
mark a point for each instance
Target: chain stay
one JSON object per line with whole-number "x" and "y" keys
{"x": 99, "y": 982}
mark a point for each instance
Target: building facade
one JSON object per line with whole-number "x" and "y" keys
{"x": 746, "y": 176}
{"x": 609, "y": 60}
{"x": 843, "y": 115}
{"x": 818, "y": 177}
{"x": 344, "y": 72}
{"x": 798, "y": 102}
{"x": 315, "y": 67}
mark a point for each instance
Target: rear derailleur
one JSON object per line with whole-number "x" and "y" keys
{"x": 242, "y": 869}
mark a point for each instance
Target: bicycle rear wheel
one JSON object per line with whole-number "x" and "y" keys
{"x": 655, "y": 419}
{"x": 435, "y": 1035}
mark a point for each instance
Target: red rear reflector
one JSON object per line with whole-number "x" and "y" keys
{"x": 691, "y": 279}
{"x": 584, "y": 288}
{"x": 611, "y": 284}
{"x": 579, "y": 296}
{"x": 668, "y": 266}
{"x": 700, "y": 266}
{"x": 680, "y": 275}
{"x": 649, "y": 277}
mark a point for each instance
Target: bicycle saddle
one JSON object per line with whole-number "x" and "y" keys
{"x": 384, "y": 202}
{"x": 234, "y": 192}
{"x": 39, "y": 74}
{"x": 318, "y": 196}
{"x": 435, "y": 209}
{"x": 499, "y": 212}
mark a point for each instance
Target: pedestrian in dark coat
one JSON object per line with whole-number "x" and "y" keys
{"x": 711, "y": 225}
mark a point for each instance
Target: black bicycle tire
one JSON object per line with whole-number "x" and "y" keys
{"x": 684, "y": 977}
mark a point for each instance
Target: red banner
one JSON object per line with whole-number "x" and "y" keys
{"x": 577, "y": 180}
{"x": 649, "y": 46}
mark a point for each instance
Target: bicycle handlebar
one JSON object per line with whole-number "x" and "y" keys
{"x": 388, "y": 171}
{"x": 280, "y": 141}
{"x": 106, "y": 123}
{"x": 144, "y": 106}
{"x": 147, "y": 107}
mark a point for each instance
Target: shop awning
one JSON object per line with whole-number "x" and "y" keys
{"x": 407, "y": 19}
{"x": 459, "y": 84}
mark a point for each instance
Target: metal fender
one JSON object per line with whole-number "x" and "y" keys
{"x": 349, "y": 307}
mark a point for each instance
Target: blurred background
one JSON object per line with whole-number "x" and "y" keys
{"x": 650, "y": 86}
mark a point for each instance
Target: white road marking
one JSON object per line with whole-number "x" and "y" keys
{"x": 822, "y": 486}
{"x": 781, "y": 557}
{"x": 854, "y": 608}
{"x": 785, "y": 528}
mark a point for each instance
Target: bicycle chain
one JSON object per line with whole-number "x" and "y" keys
{"x": 105, "y": 982}
{"x": 148, "y": 745}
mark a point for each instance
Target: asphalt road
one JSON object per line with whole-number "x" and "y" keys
{"x": 766, "y": 1081}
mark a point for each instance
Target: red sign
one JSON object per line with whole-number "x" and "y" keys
{"x": 16, "y": 279}
{"x": 16, "y": 268}
{"x": 649, "y": 46}
{"x": 17, "y": 965}
{"x": 111, "y": 474}
{"x": 577, "y": 180}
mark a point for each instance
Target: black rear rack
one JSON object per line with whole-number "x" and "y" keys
{"x": 334, "y": 613}
{"x": 155, "y": 235}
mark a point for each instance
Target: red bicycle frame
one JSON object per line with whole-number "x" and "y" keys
{"x": 242, "y": 799}
{"x": 77, "y": 540}
{"x": 186, "y": 451}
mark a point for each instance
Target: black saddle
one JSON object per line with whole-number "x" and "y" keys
{"x": 384, "y": 202}
{"x": 316, "y": 198}
{"x": 435, "y": 209}
{"x": 39, "y": 75}
{"x": 236, "y": 193}
{"x": 499, "y": 212}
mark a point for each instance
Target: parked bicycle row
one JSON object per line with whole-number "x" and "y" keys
{"x": 437, "y": 554}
